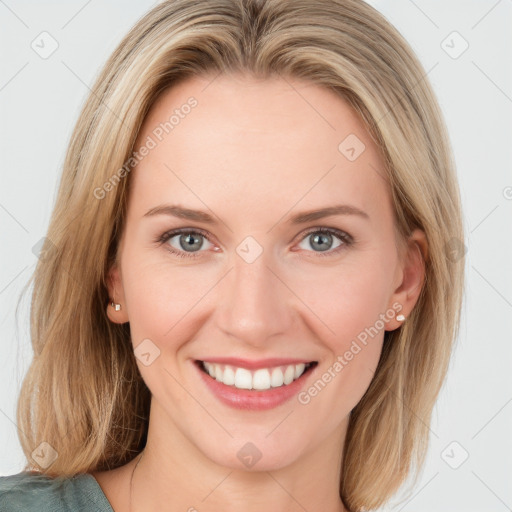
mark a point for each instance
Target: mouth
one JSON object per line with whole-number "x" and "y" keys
{"x": 260, "y": 379}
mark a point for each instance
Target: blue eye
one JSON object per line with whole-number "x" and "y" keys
{"x": 188, "y": 239}
{"x": 323, "y": 240}
{"x": 193, "y": 239}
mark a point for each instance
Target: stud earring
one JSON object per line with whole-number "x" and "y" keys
{"x": 117, "y": 307}
{"x": 400, "y": 318}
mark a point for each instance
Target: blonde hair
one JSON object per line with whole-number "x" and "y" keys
{"x": 83, "y": 393}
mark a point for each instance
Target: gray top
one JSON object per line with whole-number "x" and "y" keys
{"x": 34, "y": 492}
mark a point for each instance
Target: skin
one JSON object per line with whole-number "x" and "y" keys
{"x": 252, "y": 153}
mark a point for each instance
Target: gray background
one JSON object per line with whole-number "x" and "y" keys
{"x": 469, "y": 465}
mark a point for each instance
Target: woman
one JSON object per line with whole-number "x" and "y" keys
{"x": 251, "y": 284}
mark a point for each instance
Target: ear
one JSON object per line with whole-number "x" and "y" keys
{"x": 116, "y": 295}
{"x": 412, "y": 274}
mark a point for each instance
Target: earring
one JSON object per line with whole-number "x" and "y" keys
{"x": 117, "y": 307}
{"x": 400, "y": 318}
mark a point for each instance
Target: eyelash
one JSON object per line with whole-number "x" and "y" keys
{"x": 344, "y": 237}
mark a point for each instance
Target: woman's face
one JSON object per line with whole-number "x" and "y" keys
{"x": 252, "y": 286}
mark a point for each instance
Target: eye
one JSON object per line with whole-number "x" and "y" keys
{"x": 187, "y": 242}
{"x": 322, "y": 239}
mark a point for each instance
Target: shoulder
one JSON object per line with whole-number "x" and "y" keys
{"x": 31, "y": 491}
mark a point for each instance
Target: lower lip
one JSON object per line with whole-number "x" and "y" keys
{"x": 253, "y": 400}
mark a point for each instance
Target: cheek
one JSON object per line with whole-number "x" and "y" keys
{"x": 353, "y": 305}
{"x": 162, "y": 303}
{"x": 347, "y": 300}
{"x": 161, "y": 297}
{"x": 359, "y": 323}
{"x": 352, "y": 308}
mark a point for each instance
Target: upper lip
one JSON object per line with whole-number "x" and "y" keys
{"x": 255, "y": 364}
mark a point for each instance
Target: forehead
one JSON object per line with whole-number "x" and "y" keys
{"x": 258, "y": 141}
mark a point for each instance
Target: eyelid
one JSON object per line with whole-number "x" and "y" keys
{"x": 338, "y": 232}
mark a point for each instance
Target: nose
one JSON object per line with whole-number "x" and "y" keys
{"x": 255, "y": 303}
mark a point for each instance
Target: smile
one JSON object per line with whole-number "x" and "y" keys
{"x": 261, "y": 379}
{"x": 255, "y": 385}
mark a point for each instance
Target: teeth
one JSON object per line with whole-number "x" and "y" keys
{"x": 277, "y": 378}
{"x": 289, "y": 374}
{"x": 262, "y": 379}
{"x": 229, "y": 376}
{"x": 299, "y": 370}
{"x": 243, "y": 378}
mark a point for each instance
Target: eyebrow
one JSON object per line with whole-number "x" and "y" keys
{"x": 300, "y": 218}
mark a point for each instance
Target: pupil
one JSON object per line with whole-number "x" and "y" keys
{"x": 191, "y": 242}
{"x": 317, "y": 239}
